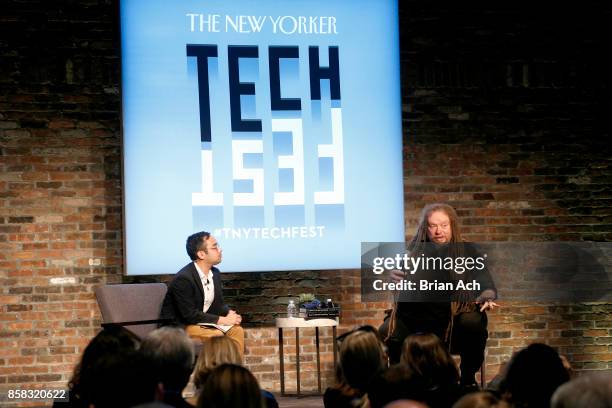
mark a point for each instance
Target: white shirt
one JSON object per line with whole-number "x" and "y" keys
{"x": 209, "y": 287}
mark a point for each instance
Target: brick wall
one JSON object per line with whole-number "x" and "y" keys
{"x": 503, "y": 118}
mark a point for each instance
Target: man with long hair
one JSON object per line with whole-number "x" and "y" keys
{"x": 458, "y": 318}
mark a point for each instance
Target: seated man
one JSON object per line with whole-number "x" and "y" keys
{"x": 458, "y": 319}
{"x": 195, "y": 294}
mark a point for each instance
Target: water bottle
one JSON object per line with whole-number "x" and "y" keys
{"x": 291, "y": 309}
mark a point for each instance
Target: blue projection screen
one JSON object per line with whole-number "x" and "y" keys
{"x": 275, "y": 125}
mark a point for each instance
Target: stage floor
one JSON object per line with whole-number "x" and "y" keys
{"x": 293, "y": 402}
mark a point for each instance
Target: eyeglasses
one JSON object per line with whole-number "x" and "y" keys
{"x": 215, "y": 247}
{"x": 441, "y": 226}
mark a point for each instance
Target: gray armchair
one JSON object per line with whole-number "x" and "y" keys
{"x": 135, "y": 306}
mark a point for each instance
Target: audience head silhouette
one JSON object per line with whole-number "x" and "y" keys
{"x": 231, "y": 386}
{"x": 533, "y": 375}
{"x": 215, "y": 351}
{"x": 480, "y": 400}
{"x": 593, "y": 390}
{"x": 170, "y": 352}
{"x": 112, "y": 373}
{"x": 426, "y": 357}
{"x": 362, "y": 356}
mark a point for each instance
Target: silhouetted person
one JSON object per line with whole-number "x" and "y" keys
{"x": 362, "y": 357}
{"x": 532, "y": 376}
{"x": 170, "y": 351}
{"x": 231, "y": 386}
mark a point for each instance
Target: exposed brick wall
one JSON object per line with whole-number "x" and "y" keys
{"x": 503, "y": 118}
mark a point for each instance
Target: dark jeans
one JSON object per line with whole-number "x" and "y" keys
{"x": 469, "y": 339}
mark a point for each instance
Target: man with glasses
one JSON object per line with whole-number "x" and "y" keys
{"x": 195, "y": 296}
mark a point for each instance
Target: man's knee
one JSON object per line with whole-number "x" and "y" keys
{"x": 472, "y": 322}
{"x": 236, "y": 332}
{"x": 194, "y": 331}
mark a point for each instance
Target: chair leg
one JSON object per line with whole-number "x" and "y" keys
{"x": 482, "y": 375}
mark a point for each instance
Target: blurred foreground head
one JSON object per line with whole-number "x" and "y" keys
{"x": 593, "y": 390}
{"x": 112, "y": 373}
{"x": 230, "y": 386}
{"x": 533, "y": 375}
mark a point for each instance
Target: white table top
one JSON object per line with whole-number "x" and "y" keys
{"x": 290, "y": 322}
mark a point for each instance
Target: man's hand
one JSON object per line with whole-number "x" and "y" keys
{"x": 485, "y": 300}
{"x": 397, "y": 275}
{"x": 231, "y": 319}
{"x": 487, "y": 305}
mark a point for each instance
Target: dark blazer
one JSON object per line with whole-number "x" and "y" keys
{"x": 185, "y": 298}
